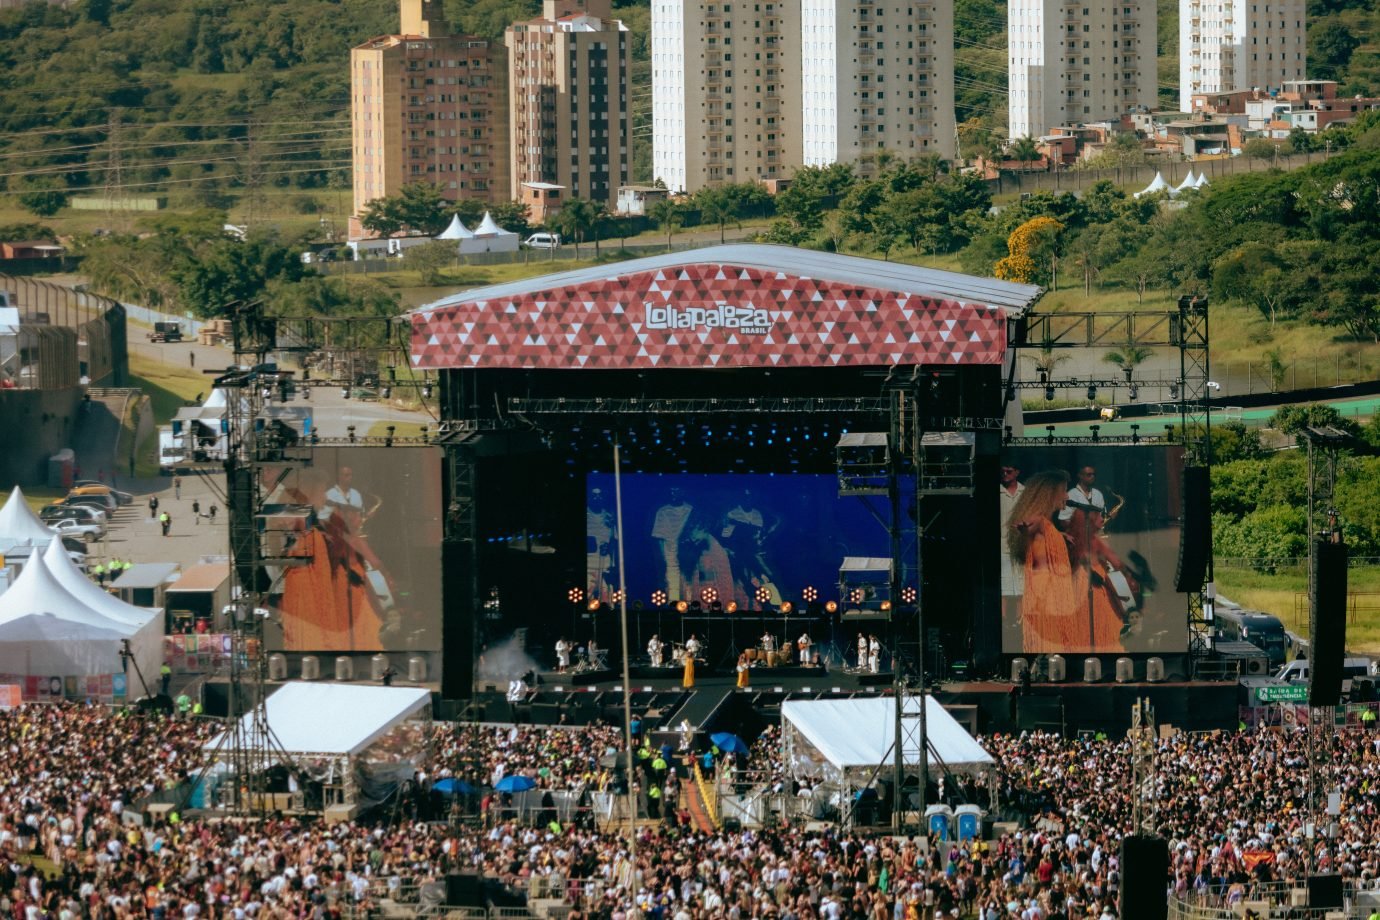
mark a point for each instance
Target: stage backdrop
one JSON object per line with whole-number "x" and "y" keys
{"x": 729, "y": 532}
{"x": 366, "y": 523}
{"x": 1089, "y": 540}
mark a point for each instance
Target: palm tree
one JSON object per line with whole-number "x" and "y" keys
{"x": 575, "y": 219}
{"x": 596, "y": 224}
{"x": 1127, "y": 357}
{"x": 668, "y": 216}
{"x": 718, "y": 206}
{"x": 1024, "y": 150}
{"x": 1046, "y": 362}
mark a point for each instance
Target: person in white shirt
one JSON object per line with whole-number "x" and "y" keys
{"x": 654, "y": 651}
{"x": 1084, "y": 493}
{"x": 874, "y": 654}
{"x": 562, "y": 654}
{"x": 692, "y": 647}
{"x": 343, "y": 496}
{"x": 768, "y": 642}
{"x": 862, "y": 652}
{"x": 803, "y": 646}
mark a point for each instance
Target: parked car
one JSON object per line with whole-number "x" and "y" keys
{"x": 543, "y": 241}
{"x": 71, "y": 528}
{"x": 84, "y": 514}
{"x": 106, "y": 502}
{"x": 91, "y": 487}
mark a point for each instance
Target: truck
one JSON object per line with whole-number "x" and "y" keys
{"x": 166, "y": 332}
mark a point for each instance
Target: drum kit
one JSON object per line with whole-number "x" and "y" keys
{"x": 678, "y": 654}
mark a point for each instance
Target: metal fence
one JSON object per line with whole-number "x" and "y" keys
{"x": 1267, "y": 900}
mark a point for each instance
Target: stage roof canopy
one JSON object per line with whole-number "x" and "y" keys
{"x": 726, "y": 306}
{"x": 327, "y": 718}
{"x": 856, "y": 734}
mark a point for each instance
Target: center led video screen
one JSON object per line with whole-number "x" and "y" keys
{"x": 734, "y": 533}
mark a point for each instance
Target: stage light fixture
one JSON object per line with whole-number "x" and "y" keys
{"x": 732, "y": 607}
{"x": 762, "y": 594}
{"x": 886, "y": 606}
{"x": 908, "y": 595}
{"x": 386, "y": 393}
{"x": 426, "y": 391}
{"x": 1135, "y": 392}
{"x": 593, "y": 605}
{"x": 856, "y": 595}
{"x": 1044, "y": 376}
{"x": 1135, "y": 434}
{"x": 659, "y": 598}
{"x": 575, "y": 595}
{"x": 388, "y": 439}
{"x": 831, "y": 607}
{"x": 425, "y": 437}
{"x": 1049, "y": 434}
{"x": 695, "y": 607}
{"x": 344, "y": 392}
{"x": 810, "y": 595}
{"x": 1049, "y": 393}
{"x": 787, "y": 607}
{"x": 1092, "y": 391}
{"x": 682, "y": 606}
{"x": 306, "y": 392}
{"x": 716, "y": 606}
{"x": 351, "y": 432}
{"x": 616, "y": 597}
{"x": 1173, "y": 391}
{"x": 709, "y": 595}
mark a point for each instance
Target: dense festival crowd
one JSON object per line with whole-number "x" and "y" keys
{"x": 1232, "y": 806}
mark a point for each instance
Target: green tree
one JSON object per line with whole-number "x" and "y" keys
{"x": 718, "y": 205}
{"x": 514, "y": 216}
{"x": 1262, "y": 148}
{"x": 577, "y": 220}
{"x": 233, "y": 270}
{"x": 43, "y": 197}
{"x": 417, "y": 207}
{"x": 1128, "y": 357}
{"x": 1259, "y": 274}
{"x": 1025, "y": 151}
{"x": 667, "y": 215}
{"x": 1330, "y": 46}
{"x": 1293, "y": 419}
{"x": 1232, "y": 441}
{"x": 1269, "y": 537}
{"x": 431, "y": 259}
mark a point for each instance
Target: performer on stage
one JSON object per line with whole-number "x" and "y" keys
{"x": 692, "y": 647}
{"x": 562, "y": 655}
{"x": 593, "y": 651}
{"x": 742, "y": 671}
{"x": 803, "y": 646}
{"x": 654, "y": 651}
{"x": 688, "y": 678}
{"x": 768, "y": 642}
{"x": 874, "y": 654}
{"x": 862, "y": 652}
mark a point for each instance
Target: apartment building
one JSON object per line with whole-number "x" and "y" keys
{"x": 427, "y": 105}
{"x": 1228, "y": 45}
{"x": 1078, "y": 61}
{"x": 568, "y": 117}
{"x": 725, "y": 91}
{"x": 876, "y": 75}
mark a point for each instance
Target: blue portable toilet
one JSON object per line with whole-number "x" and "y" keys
{"x": 940, "y": 820}
{"x": 969, "y": 819}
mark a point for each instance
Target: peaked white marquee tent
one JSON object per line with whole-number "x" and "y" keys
{"x": 1157, "y": 184}
{"x": 456, "y": 230}
{"x": 20, "y": 526}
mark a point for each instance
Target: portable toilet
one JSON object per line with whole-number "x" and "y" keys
{"x": 939, "y": 819}
{"x": 969, "y": 820}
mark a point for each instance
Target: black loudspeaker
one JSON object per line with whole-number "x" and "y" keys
{"x": 463, "y": 890}
{"x": 459, "y": 644}
{"x": 1327, "y": 623}
{"x": 1195, "y": 539}
{"x": 1144, "y": 878}
{"x": 1324, "y": 892}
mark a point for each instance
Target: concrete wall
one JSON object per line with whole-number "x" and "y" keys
{"x": 48, "y": 420}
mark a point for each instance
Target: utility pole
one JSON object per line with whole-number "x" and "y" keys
{"x": 114, "y": 169}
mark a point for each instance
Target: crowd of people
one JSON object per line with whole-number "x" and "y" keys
{"x": 1233, "y": 807}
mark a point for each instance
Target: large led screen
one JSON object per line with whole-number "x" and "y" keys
{"x": 1088, "y": 541}
{"x": 358, "y": 533}
{"x": 734, "y": 533}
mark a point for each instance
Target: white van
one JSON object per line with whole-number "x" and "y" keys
{"x": 1297, "y": 671}
{"x": 543, "y": 241}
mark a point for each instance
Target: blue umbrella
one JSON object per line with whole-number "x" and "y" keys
{"x": 729, "y": 743}
{"x": 515, "y": 784}
{"x": 452, "y": 786}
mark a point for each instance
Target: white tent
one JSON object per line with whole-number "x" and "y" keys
{"x": 847, "y": 739}
{"x": 489, "y": 227}
{"x": 19, "y": 524}
{"x": 456, "y": 230}
{"x": 146, "y": 640}
{"x": 1190, "y": 182}
{"x": 1156, "y": 185}
{"x": 45, "y": 631}
{"x": 1202, "y": 180}
{"x": 333, "y": 719}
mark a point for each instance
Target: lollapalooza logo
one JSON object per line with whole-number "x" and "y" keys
{"x": 747, "y": 320}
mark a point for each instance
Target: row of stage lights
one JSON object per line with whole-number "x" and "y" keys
{"x": 709, "y": 600}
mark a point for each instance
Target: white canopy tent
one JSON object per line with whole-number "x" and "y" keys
{"x": 1202, "y": 180}
{"x": 456, "y": 230}
{"x": 146, "y": 641}
{"x": 489, "y": 227}
{"x": 20, "y": 526}
{"x": 1156, "y": 185}
{"x": 360, "y": 742}
{"x": 843, "y": 746}
{"x": 1190, "y": 182}
{"x": 46, "y": 632}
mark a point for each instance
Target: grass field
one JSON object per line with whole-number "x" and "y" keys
{"x": 1285, "y": 595}
{"x": 168, "y": 387}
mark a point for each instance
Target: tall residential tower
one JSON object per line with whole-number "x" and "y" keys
{"x": 427, "y": 105}
{"x": 569, "y": 121}
{"x": 1227, "y": 45}
{"x": 1078, "y": 61}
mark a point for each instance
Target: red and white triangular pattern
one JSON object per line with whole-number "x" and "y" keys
{"x": 811, "y": 323}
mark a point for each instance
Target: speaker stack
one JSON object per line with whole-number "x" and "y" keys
{"x": 1195, "y": 539}
{"x": 1144, "y": 878}
{"x": 1327, "y": 623}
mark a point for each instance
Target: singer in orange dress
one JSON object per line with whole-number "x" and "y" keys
{"x": 1049, "y": 621}
{"x": 1092, "y": 561}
